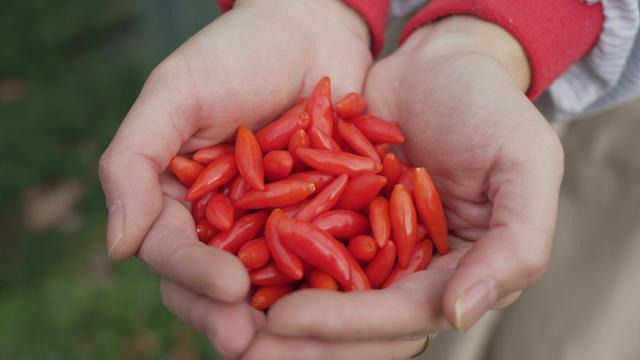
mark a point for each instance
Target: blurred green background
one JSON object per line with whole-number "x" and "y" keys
{"x": 69, "y": 71}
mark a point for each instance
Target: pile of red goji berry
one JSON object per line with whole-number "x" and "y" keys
{"x": 329, "y": 176}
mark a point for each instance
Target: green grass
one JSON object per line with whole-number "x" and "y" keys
{"x": 94, "y": 309}
{"x": 64, "y": 92}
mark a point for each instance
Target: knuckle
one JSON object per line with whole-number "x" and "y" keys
{"x": 106, "y": 165}
{"x": 256, "y": 352}
{"x": 230, "y": 344}
{"x": 176, "y": 259}
{"x": 175, "y": 66}
{"x": 534, "y": 264}
{"x": 201, "y": 282}
{"x": 551, "y": 148}
{"x": 164, "y": 69}
{"x": 207, "y": 328}
{"x": 557, "y": 153}
{"x": 165, "y": 289}
{"x": 229, "y": 341}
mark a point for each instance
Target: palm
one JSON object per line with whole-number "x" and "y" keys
{"x": 471, "y": 140}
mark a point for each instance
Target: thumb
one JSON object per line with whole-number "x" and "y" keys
{"x": 143, "y": 146}
{"x": 514, "y": 252}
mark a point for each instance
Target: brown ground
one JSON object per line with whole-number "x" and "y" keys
{"x": 587, "y": 305}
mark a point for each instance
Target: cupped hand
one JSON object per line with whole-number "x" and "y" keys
{"x": 457, "y": 89}
{"x": 247, "y": 67}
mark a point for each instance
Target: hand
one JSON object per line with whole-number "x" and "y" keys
{"x": 245, "y": 68}
{"x": 496, "y": 161}
{"x": 457, "y": 88}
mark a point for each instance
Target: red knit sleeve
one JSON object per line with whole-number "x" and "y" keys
{"x": 554, "y": 33}
{"x": 225, "y": 5}
{"x": 373, "y": 12}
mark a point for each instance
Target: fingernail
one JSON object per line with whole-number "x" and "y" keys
{"x": 115, "y": 226}
{"x": 474, "y": 303}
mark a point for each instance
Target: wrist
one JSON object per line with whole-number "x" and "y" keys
{"x": 460, "y": 34}
{"x": 313, "y": 16}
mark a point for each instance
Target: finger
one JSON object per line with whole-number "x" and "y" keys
{"x": 267, "y": 346}
{"x": 172, "y": 250}
{"x": 457, "y": 249}
{"x": 229, "y": 326}
{"x": 162, "y": 118}
{"x": 412, "y": 307}
{"x": 259, "y": 318}
{"x": 172, "y": 188}
{"x": 515, "y": 250}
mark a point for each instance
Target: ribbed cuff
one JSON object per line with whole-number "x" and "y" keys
{"x": 553, "y": 33}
